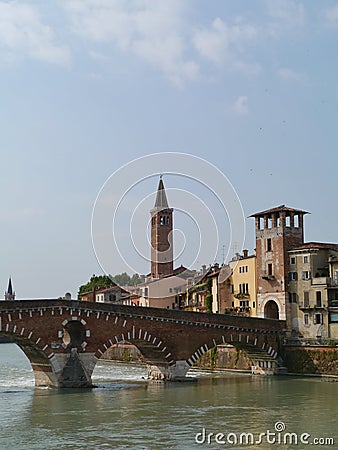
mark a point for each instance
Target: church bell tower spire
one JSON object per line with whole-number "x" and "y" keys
{"x": 161, "y": 235}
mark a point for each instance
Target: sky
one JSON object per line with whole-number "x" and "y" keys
{"x": 87, "y": 86}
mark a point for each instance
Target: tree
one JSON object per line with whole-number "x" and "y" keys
{"x": 96, "y": 282}
{"x": 208, "y": 303}
{"x": 104, "y": 281}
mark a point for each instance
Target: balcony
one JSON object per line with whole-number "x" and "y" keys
{"x": 321, "y": 281}
{"x": 311, "y": 307}
{"x": 238, "y": 311}
{"x": 242, "y": 295}
{"x": 267, "y": 276}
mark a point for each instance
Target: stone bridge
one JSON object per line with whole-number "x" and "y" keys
{"x": 63, "y": 339}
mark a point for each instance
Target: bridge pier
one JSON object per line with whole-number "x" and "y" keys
{"x": 65, "y": 370}
{"x": 165, "y": 372}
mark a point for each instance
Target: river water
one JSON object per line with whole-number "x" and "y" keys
{"x": 127, "y": 412}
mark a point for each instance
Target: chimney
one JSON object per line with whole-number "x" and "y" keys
{"x": 245, "y": 253}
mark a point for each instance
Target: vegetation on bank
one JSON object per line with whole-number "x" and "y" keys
{"x": 104, "y": 281}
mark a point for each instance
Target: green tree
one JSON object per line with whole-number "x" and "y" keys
{"x": 96, "y": 282}
{"x": 208, "y": 303}
{"x": 104, "y": 281}
{"x": 122, "y": 279}
{"x": 135, "y": 279}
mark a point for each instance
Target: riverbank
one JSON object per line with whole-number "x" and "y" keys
{"x": 316, "y": 361}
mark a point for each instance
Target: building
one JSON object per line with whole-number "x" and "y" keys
{"x": 242, "y": 296}
{"x": 165, "y": 292}
{"x": 10, "y": 294}
{"x": 162, "y": 254}
{"x": 313, "y": 290}
{"x": 112, "y": 294}
{"x": 278, "y": 230}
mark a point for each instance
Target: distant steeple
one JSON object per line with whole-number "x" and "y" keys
{"x": 10, "y": 294}
{"x": 161, "y": 201}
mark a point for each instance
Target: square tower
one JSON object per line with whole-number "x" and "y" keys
{"x": 277, "y": 231}
{"x": 162, "y": 255}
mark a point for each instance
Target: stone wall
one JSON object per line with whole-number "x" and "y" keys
{"x": 223, "y": 358}
{"x": 123, "y": 352}
{"x": 301, "y": 360}
{"x": 312, "y": 360}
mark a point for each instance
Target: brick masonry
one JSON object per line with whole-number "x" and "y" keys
{"x": 62, "y": 337}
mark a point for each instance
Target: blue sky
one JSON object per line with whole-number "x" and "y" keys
{"x": 88, "y": 85}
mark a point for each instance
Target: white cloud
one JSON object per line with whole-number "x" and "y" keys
{"x": 97, "y": 56}
{"x": 225, "y": 45}
{"x": 331, "y": 16}
{"x": 22, "y": 34}
{"x": 285, "y": 15}
{"x": 290, "y": 74}
{"x": 152, "y": 30}
{"x": 241, "y": 105}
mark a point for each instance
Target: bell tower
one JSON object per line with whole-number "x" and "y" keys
{"x": 161, "y": 235}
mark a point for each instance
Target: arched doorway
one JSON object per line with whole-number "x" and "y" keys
{"x": 271, "y": 310}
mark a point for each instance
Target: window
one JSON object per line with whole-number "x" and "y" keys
{"x": 244, "y": 303}
{"x": 167, "y": 220}
{"x": 318, "y": 319}
{"x": 306, "y": 319}
{"x": 161, "y": 220}
{"x": 268, "y": 245}
{"x": 287, "y": 221}
{"x": 293, "y": 276}
{"x": 244, "y": 288}
{"x": 270, "y": 269}
{"x": 306, "y": 259}
{"x": 296, "y": 221}
{"x": 292, "y": 297}
{"x": 243, "y": 269}
{"x": 112, "y": 297}
{"x": 306, "y": 275}
{"x": 293, "y": 260}
{"x": 146, "y": 292}
{"x": 333, "y": 317}
{"x": 232, "y": 289}
{"x": 306, "y": 299}
{"x": 318, "y": 299}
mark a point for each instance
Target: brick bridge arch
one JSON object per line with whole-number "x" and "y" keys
{"x": 63, "y": 339}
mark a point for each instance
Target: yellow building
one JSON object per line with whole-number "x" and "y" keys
{"x": 242, "y": 292}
